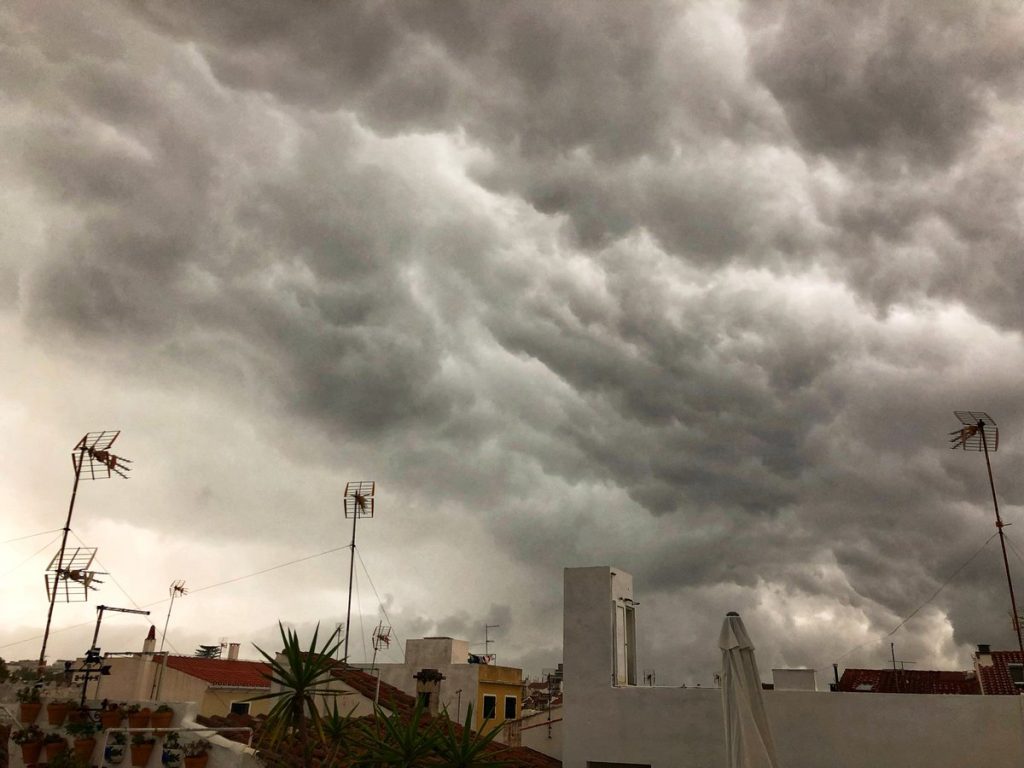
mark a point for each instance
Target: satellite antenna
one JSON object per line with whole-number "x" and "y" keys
{"x": 979, "y": 432}
{"x": 358, "y": 502}
{"x": 68, "y": 574}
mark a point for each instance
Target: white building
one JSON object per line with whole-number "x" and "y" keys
{"x": 610, "y": 722}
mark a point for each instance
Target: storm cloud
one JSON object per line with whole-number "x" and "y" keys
{"x": 687, "y": 288}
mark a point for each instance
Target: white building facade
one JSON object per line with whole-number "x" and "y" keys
{"x": 609, "y": 722}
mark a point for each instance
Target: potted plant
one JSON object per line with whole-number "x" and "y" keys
{"x": 197, "y": 753}
{"x": 113, "y": 753}
{"x": 53, "y": 744}
{"x": 142, "y": 748}
{"x": 56, "y": 712}
{"x": 68, "y": 759}
{"x": 138, "y": 716}
{"x": 110, "y": 714}
{"x": 28, "y": 697}
{"x": 77, "y": 713}
{"x": 171, "y": 755}
{"x": 83, "y": 734}
{"x": 30, "y": 739}
{"x": 162, "y": 717}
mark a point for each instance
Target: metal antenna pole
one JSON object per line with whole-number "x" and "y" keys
{"x": 358, "y": 502}
{"x": 487, "y": 639}
{"x": 60, "y": 561}
{"x": 177, "y": 588}
{"x": 1002, "y": 539}
{"x": 351, "y": 572}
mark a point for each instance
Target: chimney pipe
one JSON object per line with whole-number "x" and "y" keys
{"x": 233, "y": 651}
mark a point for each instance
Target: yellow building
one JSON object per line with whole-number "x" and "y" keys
{"x": 495, "y": 692}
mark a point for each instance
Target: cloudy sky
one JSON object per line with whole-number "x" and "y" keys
{"x": 689, "y": 288}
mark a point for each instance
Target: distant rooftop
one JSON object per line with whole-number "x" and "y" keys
{"x": 222, "y": 673}
{"x": 909, "y": 681}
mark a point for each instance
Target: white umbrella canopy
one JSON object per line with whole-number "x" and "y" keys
{"x": 748, "y": 739}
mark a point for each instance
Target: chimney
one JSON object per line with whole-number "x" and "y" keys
{"x": 233, "y": 651}
{"x": 150, "y": 643}
{"x": 428, "y": 689}
{"x": 983, "y": 658}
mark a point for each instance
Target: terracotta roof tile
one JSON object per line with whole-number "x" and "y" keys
{"x": 995, "y": 679}
{"x": 224, "y": 673}
{"x": 909, "y": 681}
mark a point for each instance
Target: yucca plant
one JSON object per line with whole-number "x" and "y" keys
{"x": 464, "y": 748}
{"x": 397, "y": 742}
{"x": 302, "y": 677}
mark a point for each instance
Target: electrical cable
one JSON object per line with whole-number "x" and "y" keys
{"x": 45, "y": 546}
{"x": 257, "y": 573}
{"x": 31, "y": 536}
{"x": 935, "y": 594}
{"x": 380, "y": 604}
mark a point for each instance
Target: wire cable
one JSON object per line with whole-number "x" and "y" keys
{"x": 31, "y": 536}
{"x": 935, "y": 594}
{"x": 380, "y": 604}
{"x": 45, "y": 546}
{"x": 257, "y": 573}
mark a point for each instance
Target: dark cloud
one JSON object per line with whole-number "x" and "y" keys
{"x": 666, "y": 287}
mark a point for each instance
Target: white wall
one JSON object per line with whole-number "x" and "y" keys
{"x": 543, "y": 735}
{"x": 683, "y": 727}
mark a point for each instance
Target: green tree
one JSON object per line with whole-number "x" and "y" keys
{"x": 5, "y": 673}
{"x": 463, "y": 748}
{"x": 301, "y": 677}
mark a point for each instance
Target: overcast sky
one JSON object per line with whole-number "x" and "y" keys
{"x": 690, "y": 289}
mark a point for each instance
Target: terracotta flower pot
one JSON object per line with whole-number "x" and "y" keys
{"x": 29, "y": 712}
{"x": 141, "y": 754}
{"x": 161, "y": 719}
{"x": 77, "y": 715}
{"x": 111, "y": 718}
{"x": 30, "y": 752}
{"x": 54, "y": 748}
{"x": 84, "y": 748}
{"x": 139, "y": 719}
{"x": 196, "y": 762}
{"x": 56, "y": 712}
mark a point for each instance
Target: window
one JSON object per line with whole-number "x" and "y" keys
{"x": 490, "y": 706}
{"x": 1016, "y": 674}
{"x": 239, "y": 707}
{"x": 510, "y": 707}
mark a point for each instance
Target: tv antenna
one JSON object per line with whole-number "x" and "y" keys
{"x": 358, "y": 502}
{"x": 487, "y": 639}
{"x": 177, "y": 589}
{"x": 980, "y": 433}
{"x": 92, "y": 460}
{"x": 381, "y": 640}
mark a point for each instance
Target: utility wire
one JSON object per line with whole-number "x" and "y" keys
{"x": 380, "y": 603}
{"x": 191, "y": 591}
{"x": 935, "y": 594}
{"x": 265, "y": 570}
{"x": 45, "y": 546}
{"x": 31, "y": 536}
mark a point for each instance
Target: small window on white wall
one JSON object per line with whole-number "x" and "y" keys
{"x": 490, "y": 706}
{"x": 510, "y": 707}
{"x": 239, "y": 707}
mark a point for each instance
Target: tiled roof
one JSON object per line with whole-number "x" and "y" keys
{"x": 995, "y": 678}
{"x": 909, "y": 681}
{"x": 223, "y": 673}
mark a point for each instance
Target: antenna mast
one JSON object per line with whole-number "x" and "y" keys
{"x": 92, "y": 460}
{"x": 978, "y": 428}
{"x": 358, "y": 502}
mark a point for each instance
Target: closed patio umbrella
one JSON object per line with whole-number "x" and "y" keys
{"x": 748, "y": 739}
